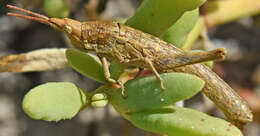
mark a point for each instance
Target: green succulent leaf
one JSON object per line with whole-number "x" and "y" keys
{"x": 156, "y": 16}
{"x": 116, "y": 69}
{"x": 86, "y": 64}
{"x": 54, "y": 101}
{"x": 194, "y": 34}
{"x": 178, "y": 33}
{"x": 56, "y": 8}
{"x": 145, "y": 93}
{"x": 178, "y": 121}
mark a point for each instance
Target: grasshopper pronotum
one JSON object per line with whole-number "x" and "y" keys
{"x": 117, "y": 42}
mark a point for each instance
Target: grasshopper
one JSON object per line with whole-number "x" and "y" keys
{"x": 131, "y": 47}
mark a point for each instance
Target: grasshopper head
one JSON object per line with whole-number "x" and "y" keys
{"x": 70, "y": 27}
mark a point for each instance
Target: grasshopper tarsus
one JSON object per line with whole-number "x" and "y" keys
{"x": 122, "y": 89}
{"x": 162, "y": 84}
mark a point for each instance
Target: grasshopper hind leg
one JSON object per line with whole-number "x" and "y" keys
{"x": 147, "y": 60}
{"x": 148, "y": 64}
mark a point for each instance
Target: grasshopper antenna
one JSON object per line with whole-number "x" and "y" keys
{"x": 34, "y": 16}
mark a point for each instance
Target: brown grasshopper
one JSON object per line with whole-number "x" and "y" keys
{"x": 117, "y": 42}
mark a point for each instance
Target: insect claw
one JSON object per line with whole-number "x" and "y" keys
{"x": 123, "y": 94}
{"x": 162, "y": 85}
{"x": 122, "y": 89}
{"x": 110, "y": 80}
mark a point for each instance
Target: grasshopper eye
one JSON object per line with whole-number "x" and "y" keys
{"x": 67, "y": 29}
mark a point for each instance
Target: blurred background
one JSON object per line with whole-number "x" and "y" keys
{"x": 241, "y": 69}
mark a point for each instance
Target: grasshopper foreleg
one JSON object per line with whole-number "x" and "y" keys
{"x": 122, "y": 88}
{"x": 108, "y": 76}
{"x": 106, "y": 70}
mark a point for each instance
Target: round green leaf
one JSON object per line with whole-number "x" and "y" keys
{"x": 145, "y": 93}
{"x": 54, "y": 101}
{"x": 56, "y": 8}
{"x": 178, "y": 121}
{"x": 86, "y": 64}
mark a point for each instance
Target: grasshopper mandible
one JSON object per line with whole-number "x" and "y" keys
{"x": 117, "y": 42}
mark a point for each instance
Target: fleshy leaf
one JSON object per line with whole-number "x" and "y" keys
{"x": 145, "y": 93}
{"x": 178, "y": 32}
{"x": 178, "y": 121}
{"x": 194, "y": 34}
{"x": 54, "y": 101}
{"x": 56, "y": 8}
{"x": 86, "y": 64}
{"x": 156, "y": 16}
